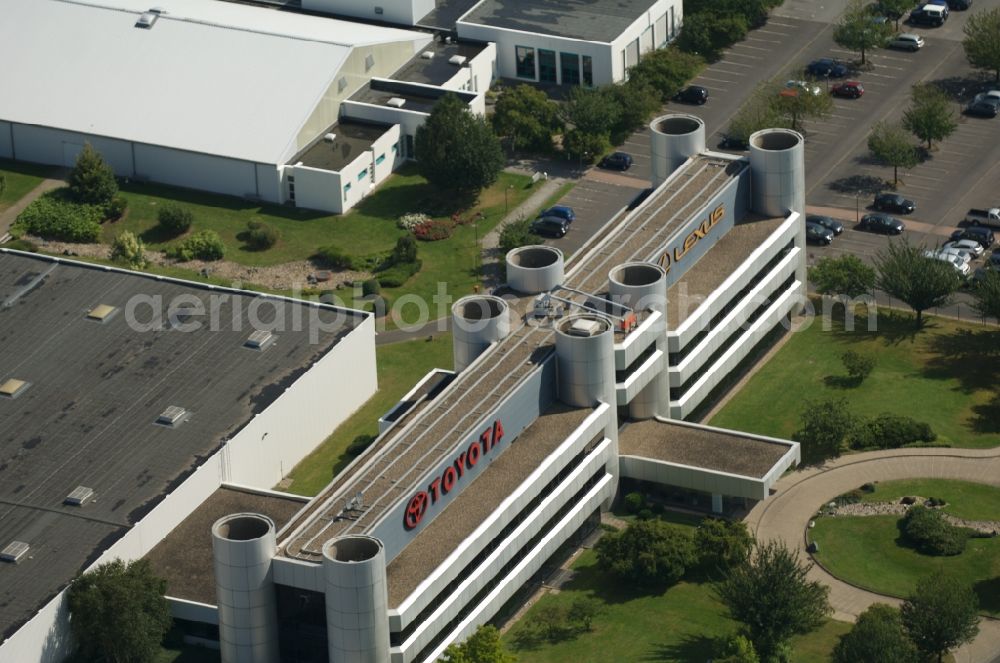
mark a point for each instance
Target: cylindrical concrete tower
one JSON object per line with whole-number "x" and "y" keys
{"x": 585, "y": 352}
{"x": 357, "y": 617}
{"x": 639, "y": 285}
{"x": 674, "y": 138}
{"x": 778, "y": 172}
{"x": 478, "y": 321}
{"x": 243, "y": 546}
{"x": 535, "y": 269}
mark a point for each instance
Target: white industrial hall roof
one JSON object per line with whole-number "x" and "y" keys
{"x": 209, "y": 76}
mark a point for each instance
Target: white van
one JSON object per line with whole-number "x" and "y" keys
{"x": 907, "y": 41}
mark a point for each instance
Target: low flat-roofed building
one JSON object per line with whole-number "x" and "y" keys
{"x": 139, "y": 396}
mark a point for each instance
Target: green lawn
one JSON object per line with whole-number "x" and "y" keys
{"x": 867, "y": 551}
{"x": 944, "y": 374}
{"x": 187, "y": 654}
{"x": 972, "y": 501}
{"x": 680, "y": 624}
{"x": 400, "y": 365}
{"x": 20, "y": 179}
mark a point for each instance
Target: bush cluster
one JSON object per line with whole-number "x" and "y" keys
{"x": 261, "y": 236}
{"x": 203, "y": 245}
{"x": 129, "y": 250}
{"x": 174, "y": 219}
{"x": 397, "y": 275}
{"x": 412, "y": 220}
{"x": 928, "y": 531}
{"x": 115, "y": 209}
{"x": 859, "y": 366}
{"x": 56, "y": 216}
{"x": 557, "y": 621}
{"x": 335, "y": 257}
{"x": 712, "y": 25}
{"x": 433, "y": 230}
{"x": 889, "y": 431}
{"x": 516, "y": 234}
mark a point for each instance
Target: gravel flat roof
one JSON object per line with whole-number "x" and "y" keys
{"x": 705, "y": 276}
{"x": 461, "y": 517}
{"x": 96, "y": 389}
{"x": 184, "y": 557}
{"x": 712, "y": 449}
{"x": 590, "y": 20}
{"x": 437, "y": 70}
{"x": 351, "y": 140}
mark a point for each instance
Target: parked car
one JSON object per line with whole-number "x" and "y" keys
{"x": 617, "y": 161}
{"x": 803, "y": 86}
{"x": 992, "y": 94}
{"x": 882, "y": 223}
{"x": 729, "y": 142}
{"x": 983, "y": 217}
{"x": 964, "y": 256}
{"x": 848, "y": 89}
{"x": 639, "y": 198}
{"x": 831, "y": 224}
{"x": 960, "y": 4}
{"x": 827, "y": 68}
{"x": 817, "y": 234}
{"x": 907, "y": 41}
{"x": 550, "y": 226}
{"x": 961, "y": 266}
{"x": 976, "y": 233}
{"x": 562, "y": 211}
{"x": 929, "y": 15}
{"x": 983, "y": 108}
{"x": 969, "y": 245}
{"x": 692, "y": 94}
{"x": 893, "y": 202}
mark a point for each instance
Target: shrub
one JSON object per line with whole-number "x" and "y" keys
{"x": 889, "y": 431}
{"x": 360, "y": 443}
{"x": 370, "y": 287}
{"x": 129, "y": 250}
{"x": 56, "y": 216}
{"x": 261, "y": 236}
{"x": 852, "y": 497}
{"x": 646, "y": 552}
{"x": 335, "y": 257}
{"x": 433, "y": 230}
{"x": 868, "y": 487}
{"x": 203, "y": 245}
{"x": 175, "y": 219}
{"x": 859, "y": 366}
{"x": 92, "y": 181}
{"x": 21, "y": 245}
{"x": 634, "y": 502}
{"x": 412, "y": 220}
{"x": 645, "y": 514}
{"x": 115, "y": 209}
{"x": 928, "y": 531}
{"x": 404, "y": 252}
{"x": 399, "y": 274}
{"x": 722, "y": 544}
{"x": 517, "y": 234}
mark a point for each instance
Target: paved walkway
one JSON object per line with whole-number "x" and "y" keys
{"x": 9, "y": 215}
{"x": 800, "y": 494}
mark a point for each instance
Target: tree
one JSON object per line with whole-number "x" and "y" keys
{"x": 824, "y": 425}
{"x": 665, "y": 70}
{"x": 591, "y": 110}
{"x": 856, "y": 31}
{"x": 582, "y": 611}
{"x": 987, "y": 295}
{"x": 456, "y": 150}
{"x": 904, "y": 272}
{"x": 721, "y": 544}
{"x": 891, "y": 145}
{"x": 92, "y": 181}
{"x": 982, "y": 41}
{"x": 795, "y": 105}
{"x": 877, "y": 637}
{"x": 174, "y": 219}
{"x": 647, "y": 552}
{"x": 526, "y": 118}
{"x": 405, "y": 251}
{"x": 758, "y": 112}
{"x": 516, "y": 234}
{"x": 118, "y": 612}
{"x": 930, "y": 116}
{"x": 940, "y": 615}
{"x": 846, "y": 276}
{"x": 771, "y": 596}
{"x": 895, "y": 9}
{"x": 636, "y": 101}
{"x": 129, "y": 250}
{"x": 586, "y": 147}
{"x": 707, "y": 33}
{"x": 483, "y": 646}
{"x": 859, "y": 366}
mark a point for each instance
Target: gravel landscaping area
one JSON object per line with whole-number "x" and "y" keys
{"x": 899, "y": 509}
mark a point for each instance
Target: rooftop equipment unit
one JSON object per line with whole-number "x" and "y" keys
{"x": 259, "y": 340}
{"x": 329, "y": 138}
{"x": 584, "y": 327}
{"x": 427, "y": 55}
{"x": 173, "y": 416}
{"x": 146, "y": 20}
{"x": 396, "y": 102}
{"x": 14, "y": 552}
{"x": 457, "y": 60}
{"x": 12, "y": 387}
{"x": 79, "y": 496}
{"x": 101, "y": 312}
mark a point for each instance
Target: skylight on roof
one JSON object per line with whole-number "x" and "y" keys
{"x": 172, "y": 417}
{"x": 80, "y": 496}
{"x": 259, "y": 340}
{"x": 12, "y": 388}
{"x": 101, "y": 312}
{"x": 14, "y": 551}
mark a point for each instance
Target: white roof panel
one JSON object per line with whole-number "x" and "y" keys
{"x": 209, "y": 76}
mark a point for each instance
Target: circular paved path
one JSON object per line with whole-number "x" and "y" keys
{"x": 800, "y": 494}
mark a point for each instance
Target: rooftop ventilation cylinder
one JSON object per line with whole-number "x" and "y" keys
{"x": 674, "y": 138}
{"x": 535, "y": 269}
{"x": 585, "y": 353}
{"x": 478, "y": 321}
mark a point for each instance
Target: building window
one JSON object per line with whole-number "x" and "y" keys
{"x": 525, "y": 62}
{"x": 347, "y": 187}
{"x": 409, "y": 147}
{"x": 547, "y": 66}
{"x": 380, "y": 159}
{"x": 588, "y": 71}
{"x": 369, "y": 62}
{"x": 363, "y": 174}
{"x": 395, "y": 148}
{"x": 570, "y": 63}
